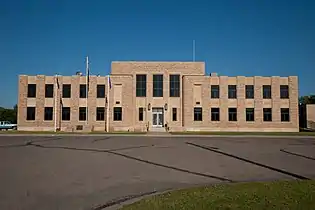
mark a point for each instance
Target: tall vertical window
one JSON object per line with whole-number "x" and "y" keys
{"x": 82, "y": 113}
{"x": 31, "y": 90}
{"x": 48, "y": 113}
{"x": 65, "y": 114}
{"x": 66, "y": 91}
{"x": 100, "y": 91}
{"x": 117, "y": 114}
{"x": 197, "y": 114}
{"x": 140, "y": 114}
{"x": 249, "y": 91}
{"x": 232, "y": 91}
{"x": 82, "y": 91}
{"x": 141, "y": 85}
{"x": 284, "y": 91}
{"x": 232, "y": 114}
{"x": 285, "y": 115}
{"x": 158, "y": 85}
{"x": 215, "y": 91}
{"x": 30, "y": 113}
{"x": 250, "y": 114}
{"x": 175, "y": 85}
{"x": 100, "y": 113}
{"x": 215, "y": 114}
{"x": 49, "y": 90}
{"x": 174, "y": 114}
{"x": 267, "y": 91}
{"x": 267, "y": 114}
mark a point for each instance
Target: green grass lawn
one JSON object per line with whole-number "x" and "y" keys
{"x": 271, "y": 195}
{"x": 246, "y": 133}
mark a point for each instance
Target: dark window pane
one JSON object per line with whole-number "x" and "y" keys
{"x": 100, "y": 113}
{"x": 285, "y": 114}
{"x": 48, "y": 113}
{"x": 82, "y": 113}
{"x": 66, "y": 91}
{"x": 174, "y": 85}
{"x": 141, "y": 114}
{"x": 215, "y": 91}
{"x": 117, "y": 113}
{"x": 198, "y": 114}
{"x": 31, "y": 91}
{"x": 100, "y": 91}
{"x": 65, "y": 113}
{"x": 249, "y": 91}
{"x": 267, "y": 114}
{"x": 174, "y": 114}
{"x": 232, "y": 114}
{"x": 82, "y": 91}
{"x": 141, "y": 85}
{"x": 158, "y": 85}
{"x": 30, "y": 115}
{"x": 250, "y": 114}
{"x": 232, "y": 91}
{"x": 215, "y": 114}
{"x": 266, "y": 91}
{"x": 49, "y": 90}
{"x": 284, "y": 91}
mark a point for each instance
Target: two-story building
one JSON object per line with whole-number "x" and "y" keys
{"x": 174, "y": 96}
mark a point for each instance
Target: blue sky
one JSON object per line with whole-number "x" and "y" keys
{"x": 244, "y": 37}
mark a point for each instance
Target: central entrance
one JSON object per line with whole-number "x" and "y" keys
{"x": 157, "y": 117}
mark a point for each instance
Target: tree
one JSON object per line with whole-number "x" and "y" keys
{"x": 8, "y": 114}
{"x": 307, "y": 99}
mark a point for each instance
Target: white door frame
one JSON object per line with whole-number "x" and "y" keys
{"x": 159, "y": 114}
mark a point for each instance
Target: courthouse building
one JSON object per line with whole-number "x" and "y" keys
{"x": 158, "y": 96}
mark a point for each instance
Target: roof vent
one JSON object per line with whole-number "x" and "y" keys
{"x": 78, "y": 73}
{"x": 213, "y": 74}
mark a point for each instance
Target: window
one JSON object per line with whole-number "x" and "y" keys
{"x": 249, "y": 91}
{"x": 48, "y": 113}
{"x": 215, "y": 91}
{"x": 266, "y": 91}
{"x": 100, "y": 91}
{"x": 100, "y": 113}
{"x": 82, "y": 113}
{"x": 284, "y": 91}
{"x": 285, "y": 115}
{"x": 66, "y": 91}
{"x": 30, "y": 115}
{"x": 158, "y": 85}
{"x": 250, "y": 114}
{"x": 82, "y": 91}
{"x": 174, "y": 85}
{"x": 49, "y": 90}
{"x": 267, "y": 114}
{"x": 174, "y": 114}
{"x": 140, "y": 114}
{"x": 65, "y": 113}
{"x": 117, "y": 113}
{"x": 232, "y": 114}
{"x": 232, "y": 91}
{"x": 31, "y": 91}
{"x": 215, "y": 114}
{"x": 198, "y": 114}
{"x": 141, "y": 85}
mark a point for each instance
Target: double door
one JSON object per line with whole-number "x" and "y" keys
{"x": 157, "y": 117}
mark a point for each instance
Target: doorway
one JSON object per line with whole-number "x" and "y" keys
{"x": 157, "y": 117}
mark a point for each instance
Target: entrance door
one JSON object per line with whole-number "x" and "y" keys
{"x": 157, "y": 117}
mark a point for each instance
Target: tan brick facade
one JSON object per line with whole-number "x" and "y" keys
{"x": 195, "y": 91}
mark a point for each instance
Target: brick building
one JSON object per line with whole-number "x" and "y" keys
{"x": 174, "y": 96}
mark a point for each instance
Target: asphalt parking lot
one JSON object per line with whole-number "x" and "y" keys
{"x": 96, "y": 172}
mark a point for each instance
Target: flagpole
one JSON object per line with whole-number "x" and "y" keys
{"x": 56, "y": 93}
{"x": 86, "y": 88}
{"x": 107, "y": 108}
{"x": 194, "y": 49}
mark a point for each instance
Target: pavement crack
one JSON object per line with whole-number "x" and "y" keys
{"x": 29, "y": 143}
{"x": 113, "y": 151}
{"x": 250, "y": 161}
{"x": 101, "y": 139}
{"x": 296, "y": 154}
